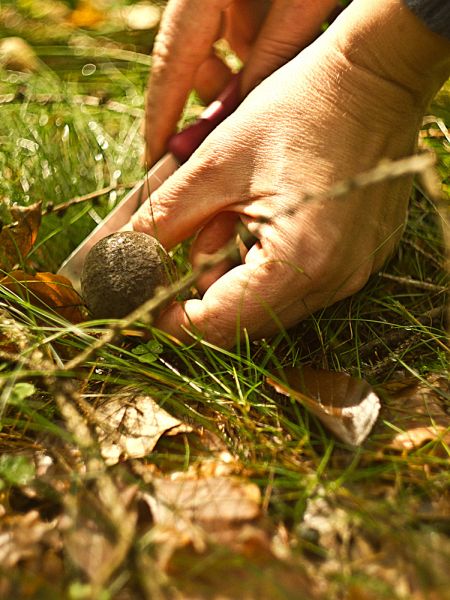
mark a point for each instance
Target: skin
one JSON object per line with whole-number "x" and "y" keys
{"x": 264, "y": 34}
{"x": 354, "y": 96}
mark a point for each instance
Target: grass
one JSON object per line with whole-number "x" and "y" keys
{"x": 342, "y": 523}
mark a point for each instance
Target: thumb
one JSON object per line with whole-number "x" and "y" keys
{"x": 289, "y": 27}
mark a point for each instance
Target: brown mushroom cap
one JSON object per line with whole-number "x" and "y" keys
{"x": 122, "y": 271}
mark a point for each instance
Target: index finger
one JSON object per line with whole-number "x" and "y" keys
{"x": 187, "y": 32}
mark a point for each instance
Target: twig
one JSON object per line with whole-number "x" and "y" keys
{"x": 390, "y": 360}
{"x": 106, "y": 498}
{"x": 424, "y": 285}
{"x": 63, "y": 206}
{"x": 386, "y": 170}
{"x": 424, "y": 252}
{"x": 80, "y": 199}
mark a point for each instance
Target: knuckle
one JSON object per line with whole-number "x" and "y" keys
{"x": 161, "y": 49}
{"x": 358, "y": 279}
{"x": 215, "y": 330}
{"x": 277, "y": 48}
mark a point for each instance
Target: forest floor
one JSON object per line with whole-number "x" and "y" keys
{"x": 134, "y": 467}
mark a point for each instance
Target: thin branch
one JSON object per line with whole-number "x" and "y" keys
{"x": 106, "y": 498}
{"x": 422, "y": 285}
{"x": 386, "y": 170}
{"x": 389, "y": 361}
{"x": 418, "y": 248}
{"x": 63, "y": 206}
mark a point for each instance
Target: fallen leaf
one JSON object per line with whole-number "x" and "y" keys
{"x": 396, "y": 551}
{"x": 129, "y": 425}
{"x": 329, "y": 526}
{"x": 347, "y": 406}
{"x": 17, "y": 239}
{"x": 208, "y": 455}
{"x": 88, "y": 546}
{"x": 417, "y": 414}
{"x": 246, "y": 568}
{"x": 46, "y": 290}
{"x": 204, "y": 501}
{"x": 94, "y": 543}
{"x": 188, "y": 511}
{"x": 23, "y": 537}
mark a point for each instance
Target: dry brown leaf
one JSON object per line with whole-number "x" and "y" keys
{"x": 331, "y": 526}
{"x": 23, "y": 538}
{"x": 244, "y": 569}
{"x": 207, "y": 501}
{"x": 46, "y": 290}
{"x": 187, "y": 511}
{"x": 92, "y": 542}
{"x": 129, "y": 425}
{"x": 418, "y": 414}
{"x": 88, "y": 546}
{"x": 347, "y": 406}
{"x": 17, "y": 239}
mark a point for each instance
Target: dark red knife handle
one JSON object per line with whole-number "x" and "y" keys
{"x": 183, "y": 144}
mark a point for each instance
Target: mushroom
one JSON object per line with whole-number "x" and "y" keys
{"x": 122, "y": 271}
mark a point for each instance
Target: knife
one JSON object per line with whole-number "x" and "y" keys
{"x": 180, "y": 146}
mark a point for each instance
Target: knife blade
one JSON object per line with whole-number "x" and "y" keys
{"x": 181, "y": 146}
{"x": 72, "y": 267}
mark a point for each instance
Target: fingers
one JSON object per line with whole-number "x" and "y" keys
{"x": 289, "y": 27}
{"x": 213, "y": 237}
{"x": 211, "y": 78}
{"x": 187, "y": 33}
{"x": 180, "y": 207}
{"x": 243, "y": 21}
{"x": 260, "y": 296}
{"x": 184, "y": 58}
{"x": 247, "y": 297}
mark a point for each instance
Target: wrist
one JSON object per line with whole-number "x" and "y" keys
{"x": 386, "y": 38}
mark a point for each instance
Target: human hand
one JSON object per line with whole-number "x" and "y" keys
{"x": 264, "y": 34}
{"x": 332, "y": 112}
